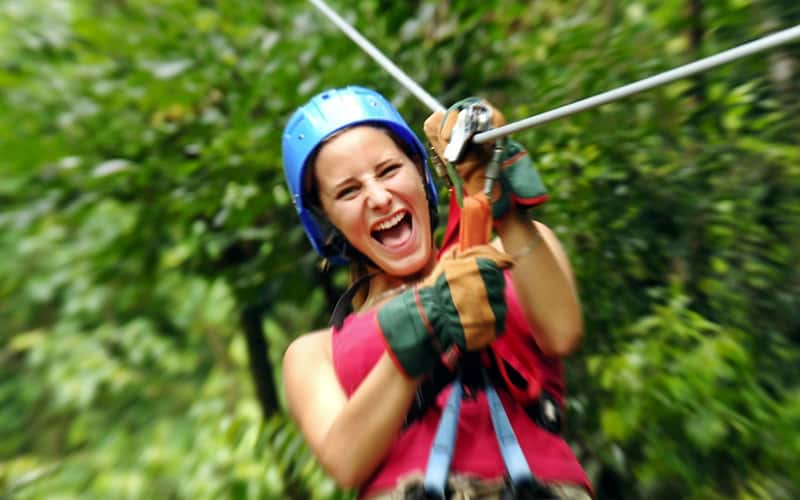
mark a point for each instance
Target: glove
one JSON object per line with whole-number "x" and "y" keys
{"x": 459, "y": 307}
{"x": 519, "y": 183}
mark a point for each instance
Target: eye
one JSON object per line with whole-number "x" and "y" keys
{"x": 346, "y": 192}
{"x": 388, "y": 169}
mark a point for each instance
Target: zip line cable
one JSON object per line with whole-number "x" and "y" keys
{"x": 705, "y": 64}
{"x": 381, "y": 59}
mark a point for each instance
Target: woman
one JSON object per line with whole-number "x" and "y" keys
{"x": 367, "y": 393}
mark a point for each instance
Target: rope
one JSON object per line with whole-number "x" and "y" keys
{"x": 705, "y": 64}
{"x": 381, "y": 59}
{"x": 664, "y": 78}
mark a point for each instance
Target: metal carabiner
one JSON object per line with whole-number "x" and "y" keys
{"x": 473, "y": 119}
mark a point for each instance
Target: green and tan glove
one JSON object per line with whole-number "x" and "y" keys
{"x": 459, "y": 307}
{"x": 519, "y": 183}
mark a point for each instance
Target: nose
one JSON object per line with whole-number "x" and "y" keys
{"x": 378, "y": 197}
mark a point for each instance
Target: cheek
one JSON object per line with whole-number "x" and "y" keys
{"x": 411, "y": 184}
{"x": 346, "y": 216}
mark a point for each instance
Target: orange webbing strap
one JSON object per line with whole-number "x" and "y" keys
{"x": 476, "y": 222}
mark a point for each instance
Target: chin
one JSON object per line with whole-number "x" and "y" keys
{"x": 407, "y": 266}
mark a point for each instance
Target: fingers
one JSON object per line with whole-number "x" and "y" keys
{"x": 432, "y": 125}
{"x": 498, "y": 120}
{"x": 473, "y": 298}
{"x": 471, "y": 166}
{"x": 447, "y": 127}
{"x": 438, "y": 126}
{"x": 431, "y": 128}
{"x": 501, "y": 259}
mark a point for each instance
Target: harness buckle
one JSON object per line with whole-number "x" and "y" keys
{"x": 547, "y": 413}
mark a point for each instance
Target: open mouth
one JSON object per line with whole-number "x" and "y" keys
{"x": 394, "y": 231}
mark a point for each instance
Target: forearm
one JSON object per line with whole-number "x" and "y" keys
{"x": 543, "y": 280}
{"x": 364, "y": 430}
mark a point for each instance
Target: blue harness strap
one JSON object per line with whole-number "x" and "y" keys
{"x": 516, "y": 465}
{"x": 443, "y": 447}
{"x": 443, "y": 444}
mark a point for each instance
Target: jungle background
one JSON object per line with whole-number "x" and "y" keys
{"x": 152, "y": 270}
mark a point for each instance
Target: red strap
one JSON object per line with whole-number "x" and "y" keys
{"x": 451, "y": 232}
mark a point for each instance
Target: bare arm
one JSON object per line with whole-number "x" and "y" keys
{"x": 544, "y": 282}
{"x": 349, "y": 437}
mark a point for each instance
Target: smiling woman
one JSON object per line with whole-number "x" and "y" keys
{"x": 376, "y": 197}
{"x": 370, "y": 406}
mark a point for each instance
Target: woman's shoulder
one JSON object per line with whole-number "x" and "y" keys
{"x": 309, "y": 348}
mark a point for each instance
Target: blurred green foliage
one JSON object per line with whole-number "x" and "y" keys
{"x": 152, "y": 271}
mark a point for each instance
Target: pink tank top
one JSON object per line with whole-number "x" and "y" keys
{"x": 357, "y": 346}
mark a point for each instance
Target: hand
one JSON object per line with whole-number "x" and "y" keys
{"x": 459, "y": 307}
{"x": 472, "y": 164}
{"x": 519, "y": 183}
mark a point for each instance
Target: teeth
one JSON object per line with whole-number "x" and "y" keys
{"x": 389, "y": 223}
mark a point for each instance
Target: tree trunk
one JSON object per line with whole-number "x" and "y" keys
{"x": 260, "y": 365}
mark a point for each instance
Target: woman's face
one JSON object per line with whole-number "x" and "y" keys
{"x": 374, "y": 194}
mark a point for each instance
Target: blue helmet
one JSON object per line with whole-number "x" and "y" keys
{"x": 326, "y": 113}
